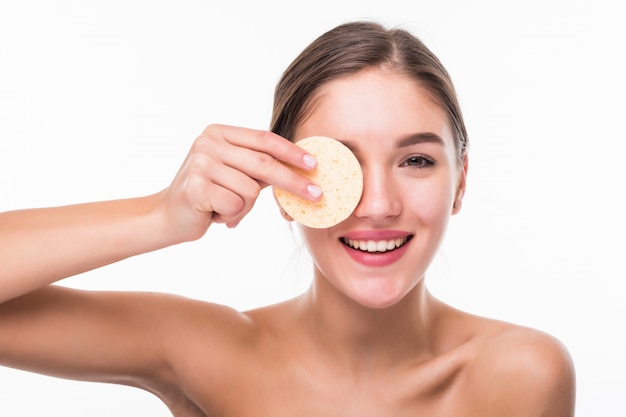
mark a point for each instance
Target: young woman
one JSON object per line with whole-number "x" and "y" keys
{"x": 367, "y": 338}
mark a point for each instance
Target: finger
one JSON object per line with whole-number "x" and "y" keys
{"x": 206, "y": 196}
{"x": 262, "y": 167}
{"x": 267, "y": 170}
{"x": 230, "y": 195}
{"x": 241, "y": 185}
{"x": 271, "y": 144}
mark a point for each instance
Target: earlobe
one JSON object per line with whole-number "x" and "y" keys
{"x": 285, "y": 216}
{"x": 456, "y": 207}
{"x": 460, "y": 190}
{"x": 283, "y": 213}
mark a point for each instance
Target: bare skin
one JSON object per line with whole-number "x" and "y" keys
{"x": 364, "y": 340}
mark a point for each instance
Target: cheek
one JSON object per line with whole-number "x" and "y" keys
{"x": 313, "y": 239}
{"x": 431, "y": 201}
{"x": 316, "y": 242}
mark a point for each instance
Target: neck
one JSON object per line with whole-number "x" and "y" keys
{"x": 365, "y": 338}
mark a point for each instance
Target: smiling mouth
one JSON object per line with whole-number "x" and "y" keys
{"x": 376, "y": 246}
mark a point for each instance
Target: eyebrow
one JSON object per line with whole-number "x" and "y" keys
{"x": 406, "y": 141}
{"x": 422, "y": 137}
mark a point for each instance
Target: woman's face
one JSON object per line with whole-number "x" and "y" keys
{"x": 411, "y": 180}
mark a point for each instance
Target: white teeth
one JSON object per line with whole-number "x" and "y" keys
{"x": 375, "y": 245}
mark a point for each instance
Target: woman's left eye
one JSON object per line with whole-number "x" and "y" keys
{"x": 418, "y": 162}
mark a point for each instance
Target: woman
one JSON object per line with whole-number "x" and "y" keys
{"x": 367, "y": 338}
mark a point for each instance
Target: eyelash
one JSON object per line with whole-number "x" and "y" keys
{"x": 422, "y": 161}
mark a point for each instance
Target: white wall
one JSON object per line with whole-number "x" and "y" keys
{"x": 101, "y": 100}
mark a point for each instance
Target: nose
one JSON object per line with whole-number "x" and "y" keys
{"x": 380, "y": 198}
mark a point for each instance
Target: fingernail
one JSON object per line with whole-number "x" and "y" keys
{"x": 314, "y": 190}
{"x": 309, "y": 161}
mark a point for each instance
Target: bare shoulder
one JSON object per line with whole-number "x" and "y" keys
{"x": 186, "y": 323}
{"x": 519, "y": 371}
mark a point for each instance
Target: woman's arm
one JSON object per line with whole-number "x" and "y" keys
{"x": 41, "y": 246}
{"x": 219, "y": 181}
{"x": 86, "y": 335}
{"x": 120, "y": 337}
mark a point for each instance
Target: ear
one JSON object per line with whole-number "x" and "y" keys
{"x": 460, "y": 188}
{"x": 283, "y": 213}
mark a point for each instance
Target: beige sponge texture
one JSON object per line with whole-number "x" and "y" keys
{"x": 338, "y": 174}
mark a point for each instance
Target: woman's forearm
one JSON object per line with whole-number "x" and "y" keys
{"x": 218, "y": 182}
{"x": 41, "y": 246}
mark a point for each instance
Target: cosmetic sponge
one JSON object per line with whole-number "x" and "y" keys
{"x": 338, "y": 174}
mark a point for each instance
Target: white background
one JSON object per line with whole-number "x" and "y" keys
{"x": 101, "y": 100}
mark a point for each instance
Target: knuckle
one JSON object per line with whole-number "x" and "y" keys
{"x": 210, "y": 137}
{"x": 198, "y": 165}
{"x": 264, "y": 160}
{"x": 266, "y": 136}
{"x": 204, "y": 143}
{"x": 234, "y": 205}
{"x": 227, "y": 204}
{"x": 272, "y": 141}
{"x": 252, "y": 192}
{"x": 212, "y": 130}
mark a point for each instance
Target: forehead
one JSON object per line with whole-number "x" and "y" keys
{"x": 374, "y": 104}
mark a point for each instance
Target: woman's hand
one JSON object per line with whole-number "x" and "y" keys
{"x": 223, "y": 174}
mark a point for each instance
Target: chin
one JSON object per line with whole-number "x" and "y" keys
{"x": 377, "y": 296}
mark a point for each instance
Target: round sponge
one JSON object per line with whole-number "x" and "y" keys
{"x": 338, "y": 174}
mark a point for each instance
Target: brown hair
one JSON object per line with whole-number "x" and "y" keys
{"x": 353, "y": 47}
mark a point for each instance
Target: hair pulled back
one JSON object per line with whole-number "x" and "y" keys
{"x": 353, "y": 47}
